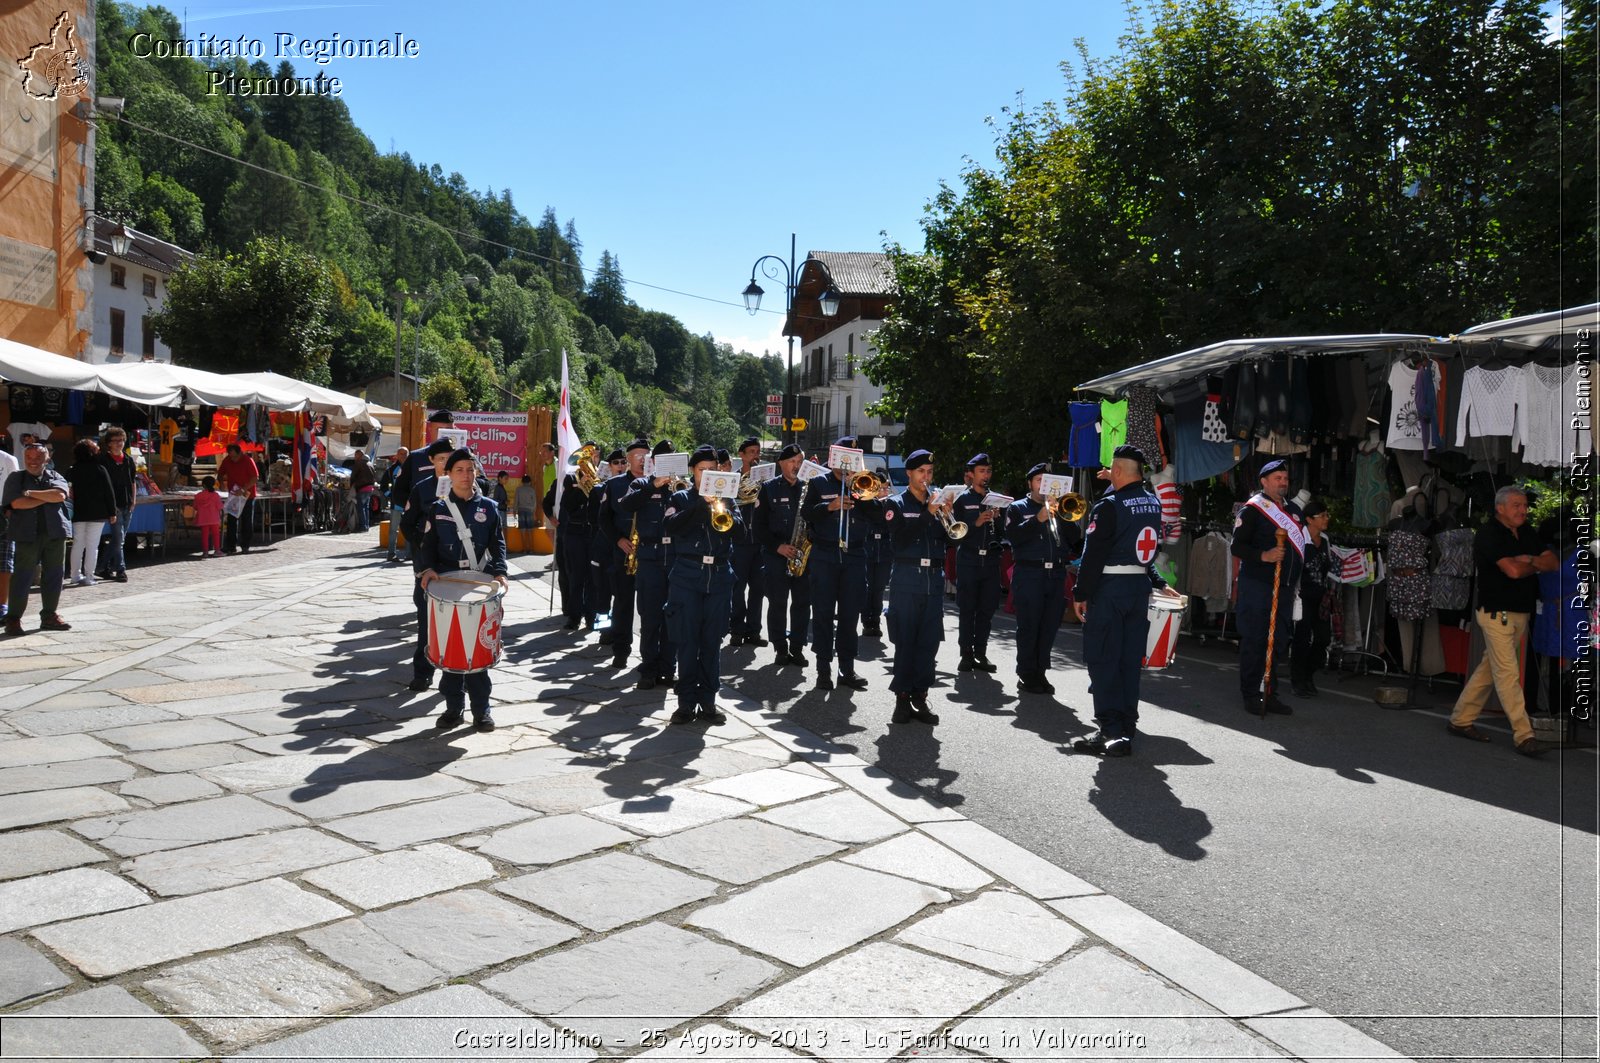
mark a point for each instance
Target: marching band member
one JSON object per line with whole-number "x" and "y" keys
{"x": 880, "y": 563}
{"x": 574, "y": 524}
{"x": 644, "y": 508}
{"x": 464, "y": 531}
{"x": 425, "y": 487}
{"x": 977, "y": 566}
{"x": 699, "y": 594}
{"x": 1262, "y": 561}
{"x": 916, "y": 590}
{"x": 1039, "y": 549}
{"x": 603, "y": 546}
{"x": 780, "y": 523}
{"x": 745, "y": 624}
{"x": 1111, "y": 598}
{"x": 838, "y": 571}
{"x": 615, "y": 527}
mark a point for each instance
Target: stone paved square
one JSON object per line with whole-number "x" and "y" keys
{"x": 197, "y": 868}
{"x": 376, "y": 881}
{"x": 346, "y": 795}
{"x": 669, "y": 811}
{"x": 124, "y": 1027}
{"x": 193, "y": 758}
{"x": 605, "y": 892}
{"x": 769, "y": 786}
{"x": 917, "y": 856}
{"x": 869, "y": 1004}
{"x": 103, "y": 945}
{"x": 187, "y": 824}
{"x": 36, "y": 851}
{"x": 263, "y": 983}
{"x": 394, "y": 828}
{"x": 842, "y": 817}
{"x": 53, "y": 750}
{"x": 553, "y": 839}
{"x": 144, "y": 737}
{"x": 169, "y": 789}
{"x": 655, "y": 974}
{"x": 64, "y": 895}
{"x": 739, "y": 850}
{"x": 802, "y": 917}
{"x": 25, "y": 972}
{"x": 60, "y": 776}
{"x": 56, "y": 806}
{"x": 1001, "y": 931}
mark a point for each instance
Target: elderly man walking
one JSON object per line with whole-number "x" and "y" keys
{"x": 34, "y": 499}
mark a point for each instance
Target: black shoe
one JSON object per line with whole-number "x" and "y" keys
{"x": 1031, "y": 685}
{"x": 1119, "y": 747}
{"x": 1278, "y": 708}
{"x": 620, "y": 660}
{"x": 903, "y": 712}
{"x": 982, "y": 663}
{"x": 607, "y": 637}
{"x": 447, "y": 719}
{"x": 923, "y": 714}
{"x": 683, "y": 714}
{"x": 1094, "y": 745}
{"x": 1302, "y": 690}
{"x": 713, "y": 715}
{"x": 1049, "y": 687}
{"x": 1311, "y": 686}
{"x": 853, "y": 681}
{"x": 419, "y": 684}
{"x": 824, "y": 680}
{"x": 647, "y": 683}
{"x": 798, "y": 658}
{"x": 781, "y": 659}
{"x": 757, "y": 641}
{"x": 571, "y": 623}
{"x": 1534, "y": 747}
{"x": 873, "y": 632}
{"x": 483, "y": 722}
{"x": 967, "y": 664}
{"x": 1468, "y": 731}
{"x": 122, "y": 577}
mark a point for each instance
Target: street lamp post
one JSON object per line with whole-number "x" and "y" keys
{"x": 787, "y": 273}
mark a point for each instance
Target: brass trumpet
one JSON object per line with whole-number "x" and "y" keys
{"x": 1071, "y": 506}
{"x": 868, "y": 486}
{"x": 955, "y": 529}
{"x": 721, "y": 519}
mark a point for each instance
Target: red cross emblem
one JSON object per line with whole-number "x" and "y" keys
{"x": 1145, "y": 545}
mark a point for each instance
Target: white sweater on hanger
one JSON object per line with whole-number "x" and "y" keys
{"x": 1488, "y": 403}
{"x": 1546, "y": 407}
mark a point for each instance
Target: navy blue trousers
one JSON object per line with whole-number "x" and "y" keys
{"x": 698, "y": 622}
{"x": 656, "y": 655}
{"x": 878, "y": 570}
{"x": 421, "y": 667}
{"x": 622, "y": 592}
{"x": 977, "y": 597}
{"x": 786, "y": 595}
{"x": 1114, "y": 635}
{"x": 838, "y": 590}
{"x": 916, "y": 625}
{"x": 457, "y": 687}
{"x": 745, "y": 617}
{"x": 577, "y": 577}
{"x": 1255, "y": 617}
{"x": 1040, "y": 600}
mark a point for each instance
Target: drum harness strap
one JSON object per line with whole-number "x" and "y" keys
{"x": 464, "y": 536}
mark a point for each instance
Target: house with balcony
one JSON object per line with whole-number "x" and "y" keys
{"x": 130, "y": 284}
{"x": 832, "y": 390}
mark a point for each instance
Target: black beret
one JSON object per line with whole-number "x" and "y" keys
{"x": 791, "y": 450}
{"x": 1038, "y": 470}
{"x": 703, "y": 454}
{"x": 639, "y": 444}
{"x": 723, "y": 455}
{"x": 1273, "y": 466}
{"x": 978, "y": 459}
{"x": 917, "y": 459}
{"x": 663, "y": 447}
{"x": 459, "y": 456}
{"x": 1129, "y": 452}
{"x": 846, "y": 441}
{"x": 441, "y": 417}
{"x": 617, "y": 455}
{"x": 751, "y": 441}
{"x": 441, "y": 445}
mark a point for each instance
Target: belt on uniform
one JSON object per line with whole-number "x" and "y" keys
{"x": 1124, "y": 570}
{"x": 1039, "y": 564}
{"x": 704, "y": 559}
{"x": 977, "y": 553}
{"x": 922, "y": 562}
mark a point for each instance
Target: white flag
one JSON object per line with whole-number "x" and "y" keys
{"x": 567, "y": 441}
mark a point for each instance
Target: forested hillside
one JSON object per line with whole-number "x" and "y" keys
{"x": 498, "y": 295}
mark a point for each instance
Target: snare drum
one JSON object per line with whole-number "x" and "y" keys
{"x": 1161, "y": 644}
{"x": 464, "y": 611}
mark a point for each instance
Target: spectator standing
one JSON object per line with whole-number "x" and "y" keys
{"x": 239, "y": 472}
{"x": 502, "y": 492}
{"x": 208, "y": 517}
{"x": 363, "y": 485}
{"x": 119, "y": 466}
{"x": 527, "y": 505}
{"x": 34, "y": 500}
{"x": 8, "y": 549}
{"x": 390, "y": 486}
{"x": 94, "y": 502}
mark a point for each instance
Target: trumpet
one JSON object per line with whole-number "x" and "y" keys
{"x": 721, "y": 519}
{"x": 955, "y": 529}
{"x": 867, "y": 486}
{"x": 1070, "y": 506}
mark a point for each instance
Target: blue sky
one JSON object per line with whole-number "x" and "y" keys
{"x": 691, "y": 138}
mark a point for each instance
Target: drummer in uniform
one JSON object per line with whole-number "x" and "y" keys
{"x": 699, "y": 593}
{"x": 481, "y": 549}
{"x": 1112, "y": 599}
{"x": 426, "y": 486}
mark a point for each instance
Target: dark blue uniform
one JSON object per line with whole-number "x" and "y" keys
{"x": 786, "y": 594}
{"x": 838, "y": 572}
{"x": 648, "y": 504}
{"x": 916, "y": 592}
{"x": 880, "y": 562}
{"x": 574, "y": 519}
{"x": 424, "y": 491}
{"x": 977, "y": 574}
{"x": 699, "y": 595}
{"x": 1115, "y": 579}
{"x": 613, "y": 524}
{"x": 1038, "y": 584}
{"x": 441, "y": 549}
{"x": 745, "y": 622}
{"x": 1253, "y": 535}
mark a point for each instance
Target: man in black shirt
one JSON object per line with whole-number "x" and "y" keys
{"x": 1509, "y": 557}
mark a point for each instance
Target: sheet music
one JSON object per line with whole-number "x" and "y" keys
{"x": 668, "y": 465}
{"x": 1054, "y": 485}
{"x": 850, "y": 459}
{"x": 763, "y": 472}
{"x": 810, "y": 470}
{"x": 996, "y": 500}
{"x": 717, "y": 484}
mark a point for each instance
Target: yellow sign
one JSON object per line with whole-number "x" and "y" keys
{"x": 797, "y": 424}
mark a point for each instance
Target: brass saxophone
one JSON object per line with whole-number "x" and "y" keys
{"x": 800, "y": 539}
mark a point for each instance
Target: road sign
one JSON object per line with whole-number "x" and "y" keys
{"x": 774, "y": 420}
{"x": 774, "y": 400}
{"x": 797, "y": 424}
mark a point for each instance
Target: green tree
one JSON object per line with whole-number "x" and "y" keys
{"x": 606, "y": 302}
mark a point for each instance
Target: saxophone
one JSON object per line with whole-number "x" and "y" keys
{"x": 630, "y": 567}
{"x": 800, "y": 539}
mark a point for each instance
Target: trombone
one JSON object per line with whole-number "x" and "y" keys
{"x": 1070, "y": 506}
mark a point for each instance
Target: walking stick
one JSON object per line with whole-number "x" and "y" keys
{"x": 1272, "y": 623}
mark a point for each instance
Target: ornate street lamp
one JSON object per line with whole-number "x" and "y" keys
{"x": 787, "y": 273}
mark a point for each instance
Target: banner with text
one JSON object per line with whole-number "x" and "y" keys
{"x": 499, "y": 439}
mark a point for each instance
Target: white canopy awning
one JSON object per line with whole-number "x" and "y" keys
{"x": 1187, "y": 365}
{"x": 200, "y": 386}
{"x": 335, "y": 404}
{"x": 1553, "y": 330}
{"x": 22, "y": 364}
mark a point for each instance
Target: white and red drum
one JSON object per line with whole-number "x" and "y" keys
{"x": 464, "y": 610}
{"x": 1161, "y": 644}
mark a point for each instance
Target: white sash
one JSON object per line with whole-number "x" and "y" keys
{"x": 464, "y": 536}
{"x": 1272, "y": 512}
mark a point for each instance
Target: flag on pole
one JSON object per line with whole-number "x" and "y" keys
{"x": 567, "y": 442}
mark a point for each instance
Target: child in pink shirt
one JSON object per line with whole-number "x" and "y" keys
{"x": 208, "y": 516}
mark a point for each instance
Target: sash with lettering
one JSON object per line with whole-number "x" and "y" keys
{"x": 1273, "y": 512}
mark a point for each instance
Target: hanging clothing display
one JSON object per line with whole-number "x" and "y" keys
{"x": 1488, "y": 403}
{"x": 1369, "y": 506}
{"x": 1430, "y": 418}
{"x": 1210, "y": 574}
{"x": 1452, "y": 576}
{"x": 1546, "y": 399}
{"x": 1083, "y": 447}
{"x": 1409, "y": 593}
{"x": 1142, "y": 425}
{"x": 1405, "y": 431}
{"x": 1113, "y": 428}
{"x": 1194, "y": 456}
{"x": 1300, "y": 418}
{"x": 1242, "y": 425}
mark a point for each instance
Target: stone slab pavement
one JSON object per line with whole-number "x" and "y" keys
{"x": 230, "y": 831}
